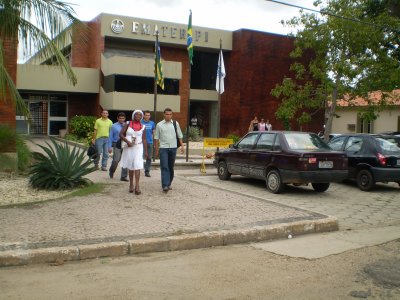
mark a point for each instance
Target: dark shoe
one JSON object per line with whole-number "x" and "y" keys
{"x": 165, "y": 189}
{"x": 111, "y": 175}
{"x": 124, "y": 179}
{"x": 96, "y": 167}
{"x": 103, "y": 168}
{"x": 147, "y": 174}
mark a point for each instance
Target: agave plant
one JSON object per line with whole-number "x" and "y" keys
{"x": 62, "y": 168}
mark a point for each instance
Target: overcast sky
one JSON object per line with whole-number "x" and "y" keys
{"x": 220, "y": 14}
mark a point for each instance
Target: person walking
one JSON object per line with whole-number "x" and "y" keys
{"x": 150, "y": 128}
{"x": 100, "y": 137}
{"x": 132, "y": 149}
{"x": 166, "y": 138}
{"x": 112, "y": 146}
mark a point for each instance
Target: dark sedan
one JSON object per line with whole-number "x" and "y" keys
{"x": 283, "y": 157}
{"x": 372, "y": 158}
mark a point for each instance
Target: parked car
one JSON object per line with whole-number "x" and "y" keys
{"x": 397, "y": 133}
{"x": 372, "y": 158}
{"x": 283, "y": 157}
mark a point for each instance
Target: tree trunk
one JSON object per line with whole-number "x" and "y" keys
{"x": 330, "y": 111}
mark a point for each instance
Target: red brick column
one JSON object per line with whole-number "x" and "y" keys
{"x": 7, "y": 107}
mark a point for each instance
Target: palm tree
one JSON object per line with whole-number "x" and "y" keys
{"x": 38, "y": 25}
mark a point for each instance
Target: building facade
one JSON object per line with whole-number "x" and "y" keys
{"x": 114, "y": 65}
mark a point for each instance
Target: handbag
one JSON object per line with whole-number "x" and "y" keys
{"x": 92, "y": 152}
{"x": 118, "y": 144}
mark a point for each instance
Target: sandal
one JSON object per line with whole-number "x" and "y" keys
{"x": 137, "y": 192}
{"x": 130, "y": 189}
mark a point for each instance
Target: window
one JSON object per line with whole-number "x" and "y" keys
{"x": 337, "y": 143}
{"x": 304, "y": 141}
{"x": 354, "y": 144}
{"x": 266, "y": 141}
{"x": 248, "y": 141}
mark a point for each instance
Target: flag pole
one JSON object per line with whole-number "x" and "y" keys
{"x": 188, "y": 116}
{"x": 219, "y": 94}
{"x": 155, "y": 82}
{"x": 189, "y": 43}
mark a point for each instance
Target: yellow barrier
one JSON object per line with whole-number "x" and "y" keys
{"x": 214, "y": 143}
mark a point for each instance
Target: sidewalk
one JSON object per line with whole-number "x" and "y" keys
{"x": 115, "y": 222}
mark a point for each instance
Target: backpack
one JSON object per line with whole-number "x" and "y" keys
{"x": 176, "y": 134}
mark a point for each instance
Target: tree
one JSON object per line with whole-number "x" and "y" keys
{"x": 38, "y": 25}
{"x": 349, "y": 53}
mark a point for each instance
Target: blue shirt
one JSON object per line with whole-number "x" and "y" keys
{"x": 150, "y": 126}
{"x": 114, "y": 133}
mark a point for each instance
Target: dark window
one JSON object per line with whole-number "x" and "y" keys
{"x": 204, "y": 71}
{"x": 55, "y": 127}
{"x": 58, "y": 109}
{"x": 248, "y": 141}
{"x": 266, "y": 141}
{"x": 139, "y": 84}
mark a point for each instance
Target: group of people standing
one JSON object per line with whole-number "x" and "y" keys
{"x": 256, "y": 125}
{"x": 136, "y": 145}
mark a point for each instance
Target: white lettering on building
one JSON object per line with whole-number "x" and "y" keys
{"x": 165, "y": 31}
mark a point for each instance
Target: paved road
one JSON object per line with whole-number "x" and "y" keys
{"x": 353, "y": 208}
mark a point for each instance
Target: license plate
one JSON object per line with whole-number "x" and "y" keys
{"x": 327, "y": 164}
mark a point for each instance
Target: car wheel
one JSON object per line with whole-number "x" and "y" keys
{"x": 320, "y": 187}
{"x": 274, "y": 182}
{"x": 223, "y": 173}
{"x": 365, "y": 180}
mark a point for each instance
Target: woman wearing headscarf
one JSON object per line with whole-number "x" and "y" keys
{"x": 132, "y": 154}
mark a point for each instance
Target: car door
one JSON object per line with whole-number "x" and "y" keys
{"x": 238, "y": 161}
{"x": 353, "y": 148}
{"x": 260, "y": 155}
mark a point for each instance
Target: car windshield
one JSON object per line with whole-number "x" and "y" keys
{"x": 305, "y": 141}
{"x": 388, "y": 145}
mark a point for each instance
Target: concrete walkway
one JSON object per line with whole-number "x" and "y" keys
{"x": 116, "y": 222}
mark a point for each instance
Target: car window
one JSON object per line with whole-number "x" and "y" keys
{"x": 266, "y": 141}
{"x": 354, "y": 143}
{"x": 248, "y": 141}
{"x": 337, "y": 143}
{"x": 393, "y": 140}
{"x": 304, "y": 141}
{"x": 388, "y": 145}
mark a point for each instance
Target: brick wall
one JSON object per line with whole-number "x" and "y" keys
{"x": 7, "y": 108}
{"x": 257, "y": 63}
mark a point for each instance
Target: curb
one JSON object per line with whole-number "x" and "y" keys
{"x": 58, "y": 255}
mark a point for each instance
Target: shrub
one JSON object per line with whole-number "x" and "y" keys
{"x": 24, "y": 154}
{"x": 235, "y": 138}
{"x": 82, "y": 127}
{"x": 194, "y": 134}
{"x": 62, "y": 168}
{"x": 7, "y": 137}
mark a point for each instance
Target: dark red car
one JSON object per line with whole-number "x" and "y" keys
{"x": 283, "y": 157}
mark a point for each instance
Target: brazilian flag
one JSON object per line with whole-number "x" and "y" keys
{"x": 189, "y": 40}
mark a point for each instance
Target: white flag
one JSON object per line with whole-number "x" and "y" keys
{"x": 220, "y": 74}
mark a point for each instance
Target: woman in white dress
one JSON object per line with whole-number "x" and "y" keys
{"x": 133, "y": 143}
